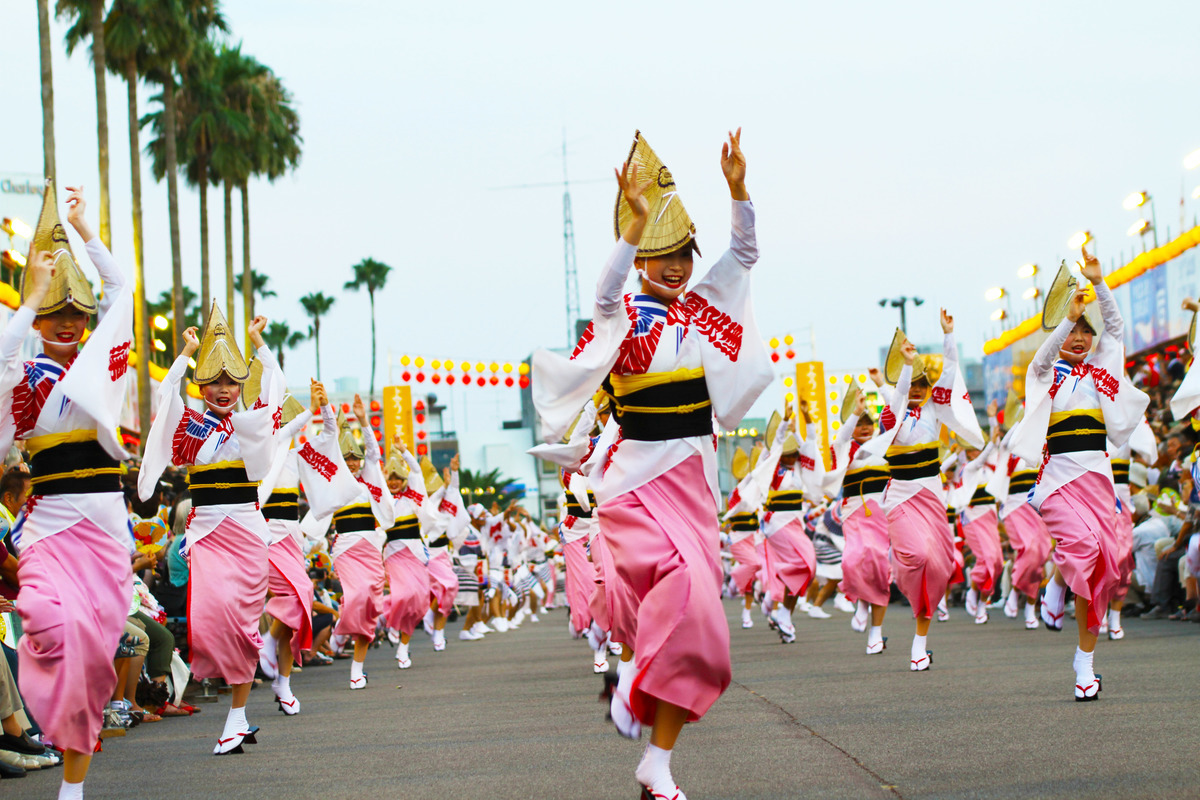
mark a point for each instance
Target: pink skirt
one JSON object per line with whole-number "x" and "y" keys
{"x": 1081, "y": 516}
{"x": 790, "y": 559}
{"x": 291, "y": 593}
{"x": 75, "y": 592}
{"x": 551, "y": 585}
{"x": 613, "y": 605}
{"x": 226, "y": 589}
{"x": 1123, "y": 546}
{"x": 665, "y": 546}
{"x": 982, "y": 535}
{"x": 1031, "y": 547}
{"x": 922, "y": 551}
{"x": 443, "y": 583}
{"x": 746, "y": 570}
{"x": 581, "y": 582}
{"x": 408, "y": 600}
{"x": 360, "y": 570}
{"x": 867, "y": 576}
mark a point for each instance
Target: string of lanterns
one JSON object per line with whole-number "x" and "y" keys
{"x": 462, "y": 372}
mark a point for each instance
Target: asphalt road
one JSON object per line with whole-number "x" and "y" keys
{"x": 516, "y": 716}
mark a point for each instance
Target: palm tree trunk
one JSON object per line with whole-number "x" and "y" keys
{"x": 204, "y": 286}
{"x": 247, "y": 275}
{"x": 317, "y": 340}
{"x": 99, "y": 56}
{"x": 371, "y": 296}
{"x": 47, "y": 89}
{"x": 141, "y": 330}
{"x": 177, "y": 309}
{"x": 228, "y": 250}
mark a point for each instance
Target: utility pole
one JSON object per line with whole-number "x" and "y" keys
{"x": 569, "y": 268}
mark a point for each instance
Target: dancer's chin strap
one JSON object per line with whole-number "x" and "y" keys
{"x": 76, "y": 343}
{"x": 669, "y": 291}
{"x": 219, "y": 407}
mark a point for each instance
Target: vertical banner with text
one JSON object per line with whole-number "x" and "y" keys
{"x": 810, "y": 386}
{"x": 397, "y": 418}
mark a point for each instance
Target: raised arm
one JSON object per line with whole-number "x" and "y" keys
{"x": 1114, "y": 326}
{"x": 112, "y": 279}
{"x": 609, "y": 290}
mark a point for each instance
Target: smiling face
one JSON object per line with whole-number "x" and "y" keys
{"x": 667, "y": 276}
{"x": 222, "y": 394}
{"x": 917, "y": 392}
{"x": 864, "y": 430}
{"x": 1078, "y": 344}
{"x": 353, "y": 464}
{"x": 396, "y": 484}
{"x": 61, "y": 331}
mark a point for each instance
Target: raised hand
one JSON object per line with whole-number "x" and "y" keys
{"x": 1090, "y": 267}
{"x": 860, "y": 404}
{"x": 633, "y": 190}
{"x": 876, "y": 377}
{"x": 1078, "y": 303}
{"x": 39, "y": 269}
{"x": 398, "y": 443}
{"x": 947, "y": 322}
{"x": 360, "y": 410}
{"x": 992, "y": 408}
{"x": 908, "y": 351}
{"x": 257, "y": 326}
{"x": 454, "y": 462}
{"x": 191, "y": 341}
{"x": 76, "y": 206}
{"x": 317, "y": 393}
{"x": 733, "y": 164}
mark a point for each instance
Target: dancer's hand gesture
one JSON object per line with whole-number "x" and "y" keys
{"x": 191, "y": 341}
{"x": 1090, "y": 267}
{"x": 1078, "y": 304}
{"x": 733, "y": 164}
{"x": 947, "y": 322}
{"x": 633, "y": 190}
{"x": 908, "y": 351}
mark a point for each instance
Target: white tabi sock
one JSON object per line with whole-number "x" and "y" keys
{"x": 1055, "y": 598}
{"x": 269, "y": 644}
{"x": 626, "y": 671}
{"x": 1083, "y": 667}
{"x": 1030, "y": 611}
{"x": 918, "y": 648}
{"x": 654, "y": 771}
{"x": 283, "y": 687}
{"x": 875, "y": 636}
{"x": 1114, "y": 620}
{"x": 235, "y": 723}
{"x": 356, "y": 670}
{"x": 70, "y": 791}
{"x": 402, "y": 652}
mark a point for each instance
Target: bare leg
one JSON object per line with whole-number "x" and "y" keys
{"x": 239, "y": 696}
{"x": 877, "y": 613}
{"x": 361, "y": 645}
{"x": 826, "y": 591}
{"x": 790, "y": 600}
{"x": 75, "y": 766}
{"x": 122, "y": 665}
{"x": 131, "y": 681}
{"x": 1087, "y": 639}
{"x": 668, "y": 722}
{"x": 923, "y": 626}
{"x": 749, "y": 600}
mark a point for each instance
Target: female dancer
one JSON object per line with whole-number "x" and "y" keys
{"x": 742, "y": 518}
{"x": 861, "y": 478}
{"x": 358, "y": 546}
{"x": 1075, "y": 403}
{"x": 789, "y": 478}
{"x": 404, "y": 556}
{"x": 1027, "y": 535}
{"x": 227, "y": 453}
{"x": 981, "y": 525}
{"x": 73, "y": 534}
{"x": 437, "y": 517}
{"x": 673, "y": 361}
{"x": 1143, "y": 443}
{"x": 929, "y": 393}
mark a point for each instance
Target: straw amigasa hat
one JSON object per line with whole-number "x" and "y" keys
{"x": 350, "y": 447}
{"x": 252, "y": 388}
{"x": 773, "y": 427}
{"x": 1014, "y": 410}
{"x": 791, "y": 445}
{"x": 290, "y": 409}
{"x": 756, "y": 454}
{"x": 433, "y": 481}
{"x": 669, "y": 228}
{"x": 1058, "y": 302}
{"x": 68, "y": 286}
{"x": 849, "y": 401}
{"x": 928, "y": 366}
{"x": 396, "y": 465}
{"x": 740, "y": 466}
{"x": 219, "y": 352}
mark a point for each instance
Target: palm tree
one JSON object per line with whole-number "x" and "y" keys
{"x": 88, "y": 23}
{"x": 317, "y": 304}
{"x": 487, "y": 487}
{"x": 192, "y": 21}
{"x": 258, "y": 282}
{"x": 280, "y": 337}
{"x": 371, "y": 275}
{"x": 276, "y": 151}
{"x": 48, "y": 167}
{"x": 135, "y": 31}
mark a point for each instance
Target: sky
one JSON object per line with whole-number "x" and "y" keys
{"x": 923, "y": 148}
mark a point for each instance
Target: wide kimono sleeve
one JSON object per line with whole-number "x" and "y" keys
{"x": 382, "y": 505}
{"x": 256, "y": 428}
{"x": 12, "y": 371}
{"x": 157, "y": 455}
{"x": 951, "y": 402}
{"x": 812, "y": 465}
{"x": 328, "y": 484}
{"x": 283, "y": 451}
{"x": 893, "y": 415}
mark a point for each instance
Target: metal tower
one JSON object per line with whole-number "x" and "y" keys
{"x": 571, "y": 273}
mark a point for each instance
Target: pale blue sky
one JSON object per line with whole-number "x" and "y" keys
{"x": 915, "y": 148}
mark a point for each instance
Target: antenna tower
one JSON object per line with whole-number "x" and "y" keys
{"x": 571, "y": 273}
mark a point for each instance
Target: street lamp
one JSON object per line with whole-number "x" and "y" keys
{"x": 1080, "y": 239}
{"x": 900, "y": 303}
{"x": 1027, "y": 271}
{"x": 995, "y": 293}
{"x": 1142, "y": 226}
{"x": 161, "y": 322}
{"x": 1192, "y": 160}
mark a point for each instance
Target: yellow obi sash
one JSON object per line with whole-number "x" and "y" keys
{"x": 72, "y": 463}
{"x": 222, "y": 483}
{"x": 744, "y": 522}
{"x": 914, "y": 462}
{"x": 283, "y": 504}
{"x": 790, "y": 500}
{"x": 1076, "y": 431}
{"x": 355, "y": 517}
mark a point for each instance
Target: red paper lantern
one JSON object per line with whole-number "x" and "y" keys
{"x": 481, "y": 381}
{"x": 435, "y": 378}
{"x": 419, "y": 405}
{"x": 524, "y": 381}
{"x": 406, "y": 376}
{"x": 450, "y": 380}
{"x": 378, "y": 436}
{"x": 420, "y": 377}
{"x": 493, "y": 380}
{"x": 422, "y": 449}
{"x": 345, "y": 408}
{"x": 508, "y": 382}
{"x": 791, "y": 354}
{"x": 421, "y": 434}
{"x": 375, "y": 405}
{"x": 775, "y": 357}
{"x": 420, "y": 418}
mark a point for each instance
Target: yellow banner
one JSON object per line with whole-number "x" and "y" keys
{"x": 397, "y": 418}
{"x": 810, "y": 386}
